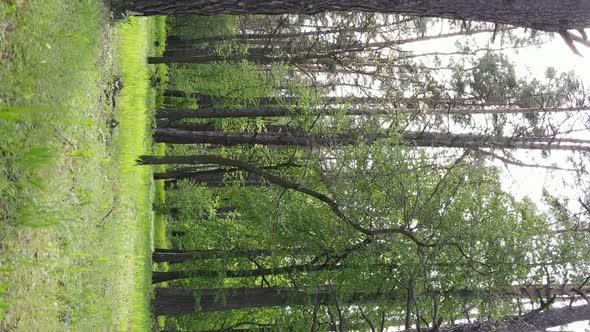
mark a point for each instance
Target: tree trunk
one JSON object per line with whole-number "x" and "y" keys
{"x": 172, "y": 183}
{"x": 199, "y": 176}
{"x": 220, "y": 213}
{"x": 203, "y": 113}
{"x": 246, "y": 37}
{"x": 178, "y": 255}
{"x": 267, "y": 328}
{"x": 173, "y": 256}
{"x": 204, "y": 99}
{"x": 208, "y": 51}
{"x": 210, "y": 178}
{"x": 178, "y": 233}
{"x": 185, "y": 172}
{"x": 545, "y": 15}
{"x": 262, "y": 59}
{"x": 221, "y": 299}
{"x": 175, "y": 301}
{"x": 175, "y": 275}
{"x": 419, "y": 139}
{"x": 176, "y": 136}
{"x": 179, "y": 41}
{"x": 552, "y": 317}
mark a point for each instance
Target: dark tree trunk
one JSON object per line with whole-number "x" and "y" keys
{"x": 267, "y": 328}
{"x": 211, "y": 126}
{"x": 179, "y": 255}
{"x": 548, "y": 15}
{"x": 176, "y": 301}
{"x": 227, "y": 299}
{"x": 288, "y": 38}
{"x": 185, "y": 172}
{"x": 204, "y": 113}
{"x": 221, "y": 299}
{"x": 178, "y": 233}
{"x": 216, "y": 179}
{"x": 262, "y": 59}
{"x": 209, "y": 51}
{"x": 175, "y": 275}
{"x": 262, "y": 37}
{"x": 221, "y": 213}
{"x": 175, "y": 136}
{"x": 174, "y": 114}
{"x": 539, "y": 322}
{"x": 254, "y": 182}
{"x": 420, "y": 139}
{"x": 204, "y": 99}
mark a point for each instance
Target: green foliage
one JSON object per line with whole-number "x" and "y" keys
{"x": 436, "y": 221}
{"x": 491, "y": 80}
{"x": 189, "y": 26}
{"x": 187, "y": 200}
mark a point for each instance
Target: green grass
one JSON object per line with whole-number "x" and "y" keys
{"x": 75, "y": 211}
{"x": 135, "y": 181}
{"x": 160, "y": 233}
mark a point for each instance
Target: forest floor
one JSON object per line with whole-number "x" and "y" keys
{"x": 76, "y": 222}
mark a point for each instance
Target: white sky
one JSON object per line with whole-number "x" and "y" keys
{"x": 525, "y": 181}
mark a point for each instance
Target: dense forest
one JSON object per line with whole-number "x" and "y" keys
{"x": 323, "y": 174}
{"x": 294, "y": 165}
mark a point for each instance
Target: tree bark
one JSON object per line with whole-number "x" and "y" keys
{"x": 204, "y": 113}
{"x": 175, "y": 114}
{"x": 175, "y": 41}
{"x": 221, "y": 299}
{"x": 547, "y": 15}
{"x": 213, "y": 177}
{"x": 262, "y": 36}
{"x": 176, "y": 301}
{"x": 262, "y": 59}
{"x": 204, "y": 99}
{"x": 268, "y": 328}
{"x": 179, "y": 256}
{"x": 219, "y": 212}
{"x": 176, "y": 136}
{"x": 175, "y": 275}
{"x": 212, "y": 126}
{"x": 540, "y": 322}
{"x": 208, "y": 51}
{"x": 212, "y": 180}
{"x": 419, "y": 139}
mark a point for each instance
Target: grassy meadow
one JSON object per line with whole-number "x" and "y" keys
{"x": 75, "y": 211}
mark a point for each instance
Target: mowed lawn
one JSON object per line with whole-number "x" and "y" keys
{"x": 75, "y": 211}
